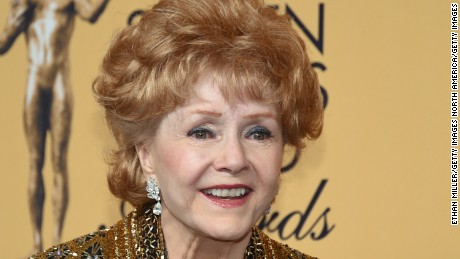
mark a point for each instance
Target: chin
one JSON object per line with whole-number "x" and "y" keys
{"x": 234, "y": 230}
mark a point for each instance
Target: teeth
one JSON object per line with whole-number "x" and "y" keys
{"x": 227, "y": 193}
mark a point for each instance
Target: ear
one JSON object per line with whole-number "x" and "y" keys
{"x": 143, "y": 153}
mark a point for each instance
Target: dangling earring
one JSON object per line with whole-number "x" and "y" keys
{"x": 153, "y": 192}
{"x": 268, "y": 210}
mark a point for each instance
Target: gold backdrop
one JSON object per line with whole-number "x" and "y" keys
{"x": 380, "y": 171}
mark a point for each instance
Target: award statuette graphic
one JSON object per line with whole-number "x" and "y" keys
{"x": 48, "y": 26}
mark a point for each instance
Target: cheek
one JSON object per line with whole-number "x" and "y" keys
{"x": 268, "y": 166}
{"x": 179, "y": 169}
{"x": 183, "y": 164}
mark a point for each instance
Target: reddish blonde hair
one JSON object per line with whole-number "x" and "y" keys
{"x": 149, "y": 68}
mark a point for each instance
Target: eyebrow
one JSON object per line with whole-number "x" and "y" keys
{"x": 208, "y": 113}
{"x": 250, "y": 116}
{"x": 261, "y": 115}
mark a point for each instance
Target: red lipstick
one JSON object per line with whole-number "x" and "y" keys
{"x": 227, "y": 196}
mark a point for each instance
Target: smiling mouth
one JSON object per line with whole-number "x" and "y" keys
{"x": 233, "y": 193}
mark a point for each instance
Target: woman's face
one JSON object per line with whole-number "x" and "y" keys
{"x": 217, "y": 163}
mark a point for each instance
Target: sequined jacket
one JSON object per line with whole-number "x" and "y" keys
{"x": 139, "y": 235}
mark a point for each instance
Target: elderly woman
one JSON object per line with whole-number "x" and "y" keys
{"x": 201, "y": 96}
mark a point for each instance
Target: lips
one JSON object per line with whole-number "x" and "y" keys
{"x": 227, "y": 196}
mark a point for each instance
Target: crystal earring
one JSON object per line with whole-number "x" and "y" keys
{"x": 153, "y": 192}
{"x": 268, "y": 210}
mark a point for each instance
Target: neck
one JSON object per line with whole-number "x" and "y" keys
{"x": 182, "y": 242}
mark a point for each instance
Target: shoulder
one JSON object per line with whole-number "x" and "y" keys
{"x": 280, "y": 250}
{"x": 119, "y": 241}
{"x": 92, "y": 244}
{"x": 288, "y": 252}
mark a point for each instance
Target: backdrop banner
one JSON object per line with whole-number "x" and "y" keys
{"x": 377, "y": 184}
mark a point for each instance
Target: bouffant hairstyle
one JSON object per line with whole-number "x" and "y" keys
{"x": 250, "y": 50}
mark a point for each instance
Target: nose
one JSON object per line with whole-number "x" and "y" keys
{"x": 231, "y": 156}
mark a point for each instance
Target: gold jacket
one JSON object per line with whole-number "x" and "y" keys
{"x": 139, "y": 235}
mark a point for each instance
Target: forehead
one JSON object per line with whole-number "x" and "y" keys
{"x": 212, "y": 88}
{"x": 204, "y": 89}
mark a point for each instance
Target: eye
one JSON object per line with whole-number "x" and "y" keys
{"x": 201, "y": 133}
{"x": 259, "y": 133}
